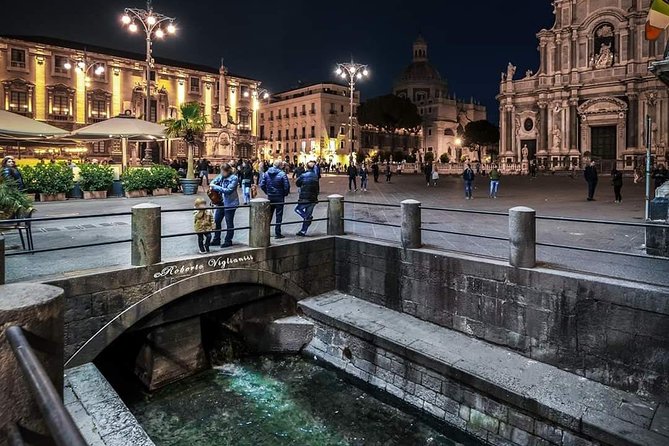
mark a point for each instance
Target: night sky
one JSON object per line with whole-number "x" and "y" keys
{"x": 283, "y": 42}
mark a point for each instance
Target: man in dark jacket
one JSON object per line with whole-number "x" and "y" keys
{"x": 352, "y": 174}
{"x": 591, "y": 178}
{"x": 309, "y": 189}
{"x": 375, "y": 172}
{"x": 468, "y": 176}
{"x": 275, "y": 184}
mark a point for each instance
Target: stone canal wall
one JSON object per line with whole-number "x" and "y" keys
{"x": 614, "y": 332}
{"x": 496, "y": 395}
{"x": 92, "y": 300}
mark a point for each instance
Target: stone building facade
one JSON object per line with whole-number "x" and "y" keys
{"x": 444, "y": 116}
{"x": 40, "y": 78}
{"x": 308, "y": 123}
{"x": 591, "y": 92}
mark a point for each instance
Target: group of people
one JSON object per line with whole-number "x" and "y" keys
{"x": 274, "y": 183}
{"x": 660, "y": 175}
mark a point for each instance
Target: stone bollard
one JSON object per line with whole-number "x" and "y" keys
{"x": 2, "y": 259}
{"x": 259, "y": 221}
{"x": 335, "y": 214}
{"x": 411, "y": 221}
{"x": 145, "y": 230}
{"x": 522, "y": 237}
{"x": 38, "y": 309}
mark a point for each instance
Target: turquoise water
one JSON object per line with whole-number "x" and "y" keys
{"x": 270, "y": 401}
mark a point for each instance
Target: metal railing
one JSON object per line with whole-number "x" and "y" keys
{"x": 58, "y": 420}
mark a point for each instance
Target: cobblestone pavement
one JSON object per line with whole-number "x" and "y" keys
{"x": 548, "y": 195}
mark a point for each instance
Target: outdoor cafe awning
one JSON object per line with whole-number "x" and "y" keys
{"x": 121, "y": 127}
{"x": 17, "y": 127}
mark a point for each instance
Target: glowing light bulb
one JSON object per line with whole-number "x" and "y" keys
{"x": 81, "y": 65}
{"x": 151, "y": 20}
{"x": 358, "y": 75}
{"x": 265, "y": 96}
{"x": 171, "y": 28}
{"x": 132, "y": 27}
{"x": 338, "y": 71}
{"x": 67, "y": 65}
{"x": 343, "y": 75}
{"x": 159, "y": 33}
{"x": 125, "y": 19}
{"x": 365, "y": 72}
{"x": 99, "y": 70}
{"x": 246, "y": 94}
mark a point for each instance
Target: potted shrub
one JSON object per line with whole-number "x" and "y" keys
{"x": 29, "y": 182}
{"x": 53, "y": 181}
{"x": 190, "y": 127}
{"x": 13, "y": 202}
{"x": 136, "y": 182}
{"x": 163, "y": 180}
{"x": 443, "y": 158}
{"x": 95, "y": 180}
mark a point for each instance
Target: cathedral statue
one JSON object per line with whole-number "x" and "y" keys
{"x": 510, "y": 71}
{"x": 503, "y": 76}
{"x": 528, "y": 74}
{"x": 525, "y": 151}
{"x": 557, "y": 138}
{"x": 605, "y": 57}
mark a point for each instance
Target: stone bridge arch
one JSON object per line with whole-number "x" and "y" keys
{"x": 170, "y": 293}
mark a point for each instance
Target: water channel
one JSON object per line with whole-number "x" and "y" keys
{"x": 279, "y": 401}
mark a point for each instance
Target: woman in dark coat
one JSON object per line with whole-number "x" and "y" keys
{"x": 10, "y": 172}
{"x": 617, "y": 182}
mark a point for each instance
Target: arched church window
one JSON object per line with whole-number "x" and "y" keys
{"x": 604, "y": 46}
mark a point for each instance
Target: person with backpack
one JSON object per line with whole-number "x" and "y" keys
{"x": 494, "y": 176}
{"x": 276, "y": 186}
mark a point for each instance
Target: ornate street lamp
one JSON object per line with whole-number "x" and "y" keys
{"x": 352, "y": 72}
{"x": 258, "y": 94}
{"x": 155, "y": 25}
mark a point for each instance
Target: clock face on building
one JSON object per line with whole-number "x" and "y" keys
{"x": 528, "y": 125}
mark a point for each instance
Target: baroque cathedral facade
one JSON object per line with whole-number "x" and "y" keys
{"x": 591, "y": 93}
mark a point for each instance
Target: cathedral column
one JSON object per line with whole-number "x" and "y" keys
{"x": 508, "y": 117}
{"x": 573, "y": 127}
{"x": 543, "y": 128}
{"x": 632, "y": 120}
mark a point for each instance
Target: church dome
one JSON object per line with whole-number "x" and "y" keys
{"x": 420, "y": 71}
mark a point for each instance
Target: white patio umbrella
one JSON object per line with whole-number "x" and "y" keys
{"x": 15, "y": 126}
{"x": 125, "y": 128}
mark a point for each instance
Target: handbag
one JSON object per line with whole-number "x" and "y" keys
{"x": 254, "y": 191}
{"x": 215, "y": 197}
{"x": 435, "y": 175}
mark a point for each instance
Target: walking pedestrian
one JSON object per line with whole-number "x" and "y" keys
{"x": 276, "y": 186}
{"x": 309, "y": 189}
{"x": 494, "y": 181}
{"x": 617, "y": 182}
{"x": 352, "y": 175}
{"x": 364, "y": 173}
{"x": 435, "y": 176}
{"x": 660, "y": 175}
{"x": 468, "y": 177}
{"x": 246, "y": 178}
{"x": 590, "y": 175}
{"x": 389, "y": 173}
{"x": 226, "y": 184}
{"x": 427, "y": 169}
{"x": 203, "y": 224}
{"x": 375, "y": 172}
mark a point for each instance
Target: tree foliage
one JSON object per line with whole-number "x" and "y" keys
{"x": 390, "y": 113}
{"x": 190, "y": 127}
{"x": 479, "y": 134}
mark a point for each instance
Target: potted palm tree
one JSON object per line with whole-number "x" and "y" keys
{"x": 189, "y": 127}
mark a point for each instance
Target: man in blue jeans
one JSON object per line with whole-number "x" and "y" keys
{"x": 309, "y": 189}
{"x": 468, "y": 176}
{"x": 225, "y": 184}
{"x": 275, "y": 184}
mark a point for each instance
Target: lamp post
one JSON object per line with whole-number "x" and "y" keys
{"x": 82, "y": 65}
{"x": 152, "y": 24}
{"x": 352, "y": 72}
{"x": 258, "y": 93}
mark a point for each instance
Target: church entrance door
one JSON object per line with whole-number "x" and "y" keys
{"x": 603, "y": 146}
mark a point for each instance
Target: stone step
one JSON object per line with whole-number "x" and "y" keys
{"x": 286, "y": 335}
{"x": 481, "y": 387}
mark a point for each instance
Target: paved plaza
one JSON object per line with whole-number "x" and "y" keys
{"x": 548, "y": 195}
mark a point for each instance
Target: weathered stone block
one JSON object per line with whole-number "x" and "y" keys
{"x": 548, "y": 432}
{"x": 481, "y": 420}
{"x": 520, "y": 420}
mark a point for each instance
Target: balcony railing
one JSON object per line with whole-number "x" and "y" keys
{"x": 59, "y": 117}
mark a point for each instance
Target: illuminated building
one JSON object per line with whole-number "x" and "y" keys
{"x": 307, "y": 123}
{"x": 46, "y": 79}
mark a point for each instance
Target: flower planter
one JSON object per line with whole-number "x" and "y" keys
{"x": 161, "y": 191}
{"x": 136, "y": 193}
{"x": 189, "y": 187}
{"x": 31, "y": 196}
{"x": 53, "y": 197}
{"x": 95, "y": 194}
